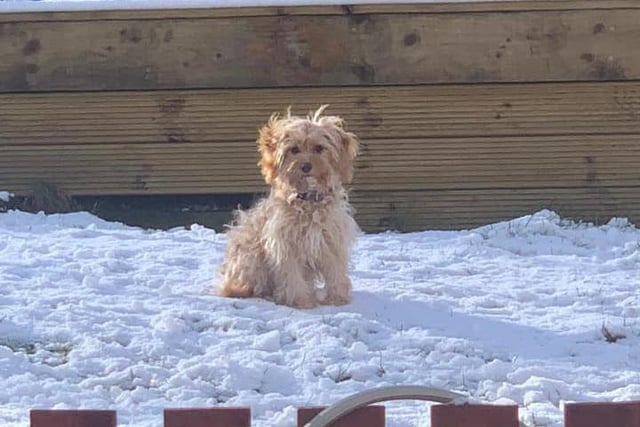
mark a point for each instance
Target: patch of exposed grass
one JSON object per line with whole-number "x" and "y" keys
{"x": 52, "y": 354}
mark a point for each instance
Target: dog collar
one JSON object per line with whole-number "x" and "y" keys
{"x": 310, "y": 196}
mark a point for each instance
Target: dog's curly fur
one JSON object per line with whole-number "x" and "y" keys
{"x": 301, "y": 234}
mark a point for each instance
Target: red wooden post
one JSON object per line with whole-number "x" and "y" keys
{"x": 72, "y": 418}
{"x": 207, "y": 417}
{"x": 474, "y": 415}
{"x": 368, "y": 416}
{"x": 596, "y": 414}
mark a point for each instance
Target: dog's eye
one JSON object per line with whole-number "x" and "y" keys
{"x": 318, "y": 149}
{"x": 294, "y": 150}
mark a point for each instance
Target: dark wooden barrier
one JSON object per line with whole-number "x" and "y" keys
{"x": 618, "y": 414}
{"x": 474, "y": 415}
{"x": 207, "y": 417}
{"x": 72, "y": 418}
{"x": 288, "y": 46}
{"x": 370, "y": 416}
{"x": 468, "y": 112}
{"x": 584, "y": 414}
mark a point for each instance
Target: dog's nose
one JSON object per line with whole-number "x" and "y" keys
{"x": 306, "y": 167}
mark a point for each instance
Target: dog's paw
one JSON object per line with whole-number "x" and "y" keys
{"x": 337, "y": 300}
{"x": 305, "y": 303}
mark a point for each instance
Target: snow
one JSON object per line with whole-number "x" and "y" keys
{"x": 99, "y": 315}
{"x": 5, "y": 196}
{"x": 75, "y": 5}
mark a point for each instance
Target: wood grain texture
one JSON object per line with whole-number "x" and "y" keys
{"x": 360, "y": 49}
{"x": 432, "y": 156}
{"x": 169, "y": 101}
{"x": 207, "y": 417}
{"x": 367, "y": 416}
{"x": 72, "y": 418}
{"x": 590, "y": 161}
{"x": 398, "y": 112}
{"x": 386, "y": 210}
{"x": 456, "y": 209}
{"x": 475, "y": 415}
{"x": 595, "y": 414}
{"x": 348, "y": 10}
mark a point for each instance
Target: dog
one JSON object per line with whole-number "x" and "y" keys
{"x": 297, "y": 240}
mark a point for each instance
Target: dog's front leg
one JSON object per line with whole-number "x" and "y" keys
{"x": 337, "y": 282}
{"x": 291, "y": 288}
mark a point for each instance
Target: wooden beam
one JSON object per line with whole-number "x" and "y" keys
{"x": 52, "y": 13}
{"x": 207, "y": 417}
{"x": 293, "y": 50}
{"x": 367, "y": 416}
{"x": 456, "y": 209}
{"x": 595, "y": 414}
{"x": 72, "y": 418}
{"x": 588, "y": 161}
{"x": 396, "y": 112}
{"x": 384, "y": 210}
{"x": 475, "y": 415}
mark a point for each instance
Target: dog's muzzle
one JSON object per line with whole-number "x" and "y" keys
{"x": 310, "y": 196}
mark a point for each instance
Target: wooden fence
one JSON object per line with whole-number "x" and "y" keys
{"x": 468, "y": 113}
{"x": 623, "y": 414}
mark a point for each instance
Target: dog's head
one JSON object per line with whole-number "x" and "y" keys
{"x": 306, "y": 157}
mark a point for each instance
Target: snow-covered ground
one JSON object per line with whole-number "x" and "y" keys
{"x": 5, "y": 196}
{"x": 100, "y": 315}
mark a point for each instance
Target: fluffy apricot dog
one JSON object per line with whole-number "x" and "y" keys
{"x": 297, "y": 240}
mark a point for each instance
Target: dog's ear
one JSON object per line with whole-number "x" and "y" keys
{"x": 348, "y": 144}
{"x": 350, "y": 148}
{"x": 267, "y": 145}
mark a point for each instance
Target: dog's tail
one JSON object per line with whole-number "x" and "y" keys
{"x": 235, "y": 290}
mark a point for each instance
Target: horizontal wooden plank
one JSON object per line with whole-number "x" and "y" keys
{"x": 366, "y": 416}
{"x": 405, "y": 164}
{"x": 208, "y": 417}
{"x": 291, "y": 50}
{"x": 455, "y": 209}
{"x": 593, "y": 414}
{"x": 381, "y": 210}
{"x": 446, "y": 148}
{"x": 138, "y": 185}
{"x": 597, "y": 165}
{"x": 474, "y": 414}
{"x": 51, "y": 13}
{"x": 372, "y": 113}
{"x": 72, "y": 418}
